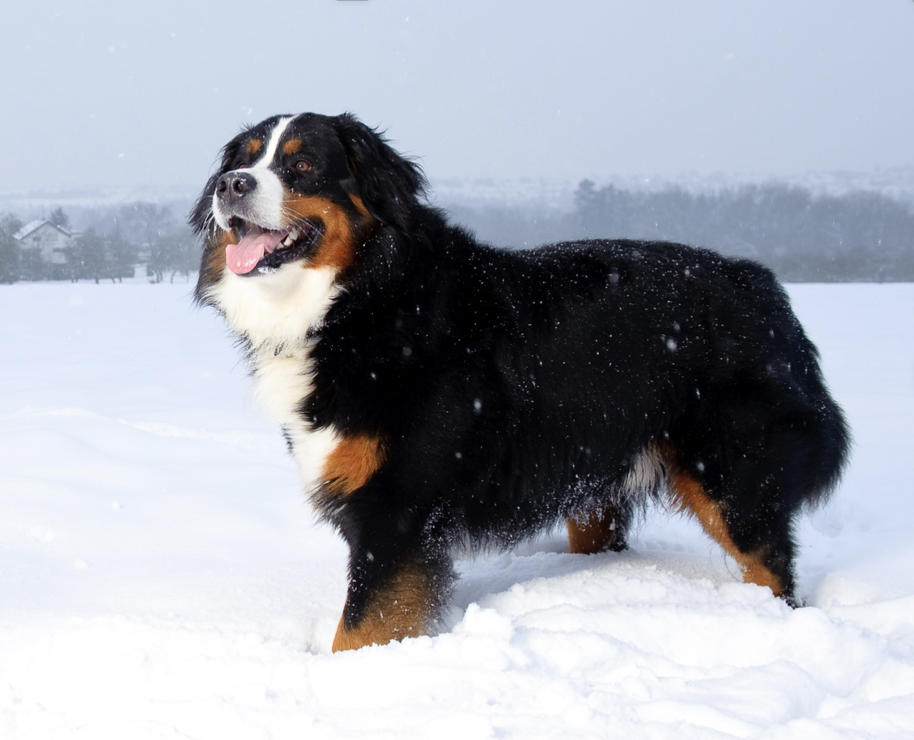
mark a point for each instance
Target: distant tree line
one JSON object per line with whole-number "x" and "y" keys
{"x": 114, "y": 241}
{"x": 10, "y": 259}
{"x": 860, "y": 236}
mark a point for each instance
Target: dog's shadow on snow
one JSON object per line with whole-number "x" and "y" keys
{"x": 489, "y": 574}
{"x": 486, "y": 575}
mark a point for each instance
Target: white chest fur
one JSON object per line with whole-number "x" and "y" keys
{"x": 275, "y": 313}
{"x": 282, "y": 381}
{"x": 278, "y": 308}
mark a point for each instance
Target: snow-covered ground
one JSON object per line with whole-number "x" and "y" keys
{"x": 161, "y": 575}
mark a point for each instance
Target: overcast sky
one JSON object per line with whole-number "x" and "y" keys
{"x": 118, "y": 94}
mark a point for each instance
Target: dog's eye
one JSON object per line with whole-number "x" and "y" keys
{"x": 303, "y": 165}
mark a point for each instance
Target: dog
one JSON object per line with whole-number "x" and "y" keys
{"x": 437, "y": 393}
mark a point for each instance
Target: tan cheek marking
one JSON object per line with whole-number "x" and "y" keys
{"x": 337, "y": 243}
{"x": 254, "y": 146}
{"x": 291, "y": 146}
{"x": 595, "y": 532}
{"x": 401, "y": 609}
{"x": 214, "y": 259}
{"x": 690, "y": 496}
{"x": 352, "y": 463}
{"x": 360, "y": 207}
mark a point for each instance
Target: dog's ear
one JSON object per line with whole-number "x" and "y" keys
{"x": 388, "y": 183}
{"x": 200, "y": 217}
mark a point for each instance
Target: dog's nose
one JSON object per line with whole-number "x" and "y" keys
{"x": 235, "y": 185}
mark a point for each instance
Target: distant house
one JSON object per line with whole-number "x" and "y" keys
{"x": 52, "y": 241}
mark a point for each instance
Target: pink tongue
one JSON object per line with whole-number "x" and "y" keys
{"x": 243, "y": 257}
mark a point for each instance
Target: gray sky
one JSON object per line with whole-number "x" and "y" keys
{"x": 117, "y": 94}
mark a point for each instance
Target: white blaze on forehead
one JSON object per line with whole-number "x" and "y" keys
{"x": 273, "y": 144}
{"x": 264, "y": 204}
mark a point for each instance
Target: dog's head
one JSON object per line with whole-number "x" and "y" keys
{"x": 300, "y": 191}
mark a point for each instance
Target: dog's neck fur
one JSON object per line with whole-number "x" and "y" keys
{"x": 269, "y": 311}
{"x": 273, "y": 315}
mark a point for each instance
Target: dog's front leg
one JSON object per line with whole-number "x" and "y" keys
{"x": 391, "y": 600}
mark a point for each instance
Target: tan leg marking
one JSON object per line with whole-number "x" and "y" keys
{"x": 402, "y": 608}
{"x": 598, "y": 531}
{"x": 690, "y": 496}
{"x": 352, "y": 463}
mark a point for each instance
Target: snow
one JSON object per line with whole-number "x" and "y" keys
{"x": 161, "y": 575}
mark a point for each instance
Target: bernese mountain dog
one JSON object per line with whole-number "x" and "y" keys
{"x": 438, "y": 393}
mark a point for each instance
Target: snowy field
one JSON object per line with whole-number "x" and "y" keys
{"x": 161, "y": 575}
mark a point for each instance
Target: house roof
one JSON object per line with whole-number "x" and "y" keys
{"x": 33, "y": 226}
{"x": 29, "y": 228}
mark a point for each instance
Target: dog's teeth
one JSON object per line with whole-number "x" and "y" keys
{"x": 294, "y": 234}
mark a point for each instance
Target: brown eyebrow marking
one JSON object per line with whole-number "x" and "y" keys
{"x": 291, "y": 146}
{"x": 254, "y": 146}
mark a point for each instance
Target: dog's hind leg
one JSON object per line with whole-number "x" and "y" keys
{"x": 761, "y": 544}
{"x": 600, "y": 529}
{"x": 758, "y": 453}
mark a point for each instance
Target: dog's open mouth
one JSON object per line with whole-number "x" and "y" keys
{"x": 263, "y": 249}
